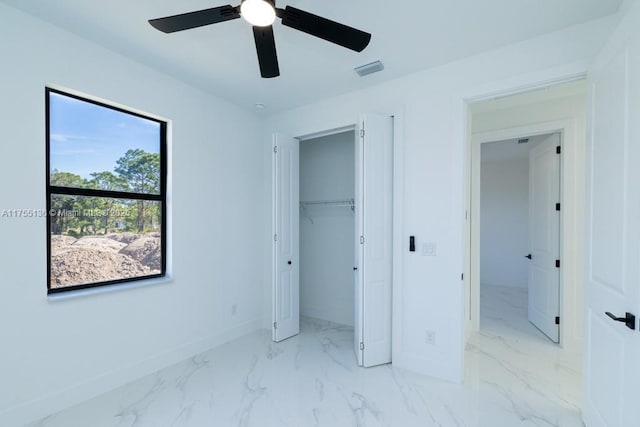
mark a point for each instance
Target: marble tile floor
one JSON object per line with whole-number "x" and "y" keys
{"x": 512, "y": 379}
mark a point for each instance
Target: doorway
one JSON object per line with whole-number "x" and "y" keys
{"x": 520, "y": 235}
{"x": 559, "y": 109}
{"x": 514, "y": 342}
{"x": 371, "y": 260}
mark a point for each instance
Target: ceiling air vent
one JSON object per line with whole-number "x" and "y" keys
{"x": 523, "y": 141}
{"x": 373, "y": 67}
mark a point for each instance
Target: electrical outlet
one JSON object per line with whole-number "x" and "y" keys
{"x": 430, "y": 337}
{"x": 234, "y": 309}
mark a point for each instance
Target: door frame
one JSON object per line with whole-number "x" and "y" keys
{"x": 570, "y": 262}
{"x": 343, "y": 124}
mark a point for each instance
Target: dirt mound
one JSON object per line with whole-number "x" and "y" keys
{"x": 76, "y": 265}
{"x": 101, "y": 258}
{"x": 153, "y": 260}
{"x": 145, "y": 250}
{"x": 100, "y": 243}
{"x": 59, "y": 242}
{"x": 123, "y": 237}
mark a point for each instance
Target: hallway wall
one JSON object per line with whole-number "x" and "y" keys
{"x": 504, "y": 221}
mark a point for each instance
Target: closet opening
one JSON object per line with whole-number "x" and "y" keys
{"x": 333, "y": 235}
{"x": 327, "y": 229}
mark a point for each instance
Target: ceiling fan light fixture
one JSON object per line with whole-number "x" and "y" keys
{"x": 261, "y": 14}
{"x": 258, "y": 13}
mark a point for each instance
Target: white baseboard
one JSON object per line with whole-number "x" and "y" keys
{"x": 314, "y": 313}
{"x": 75, "y": 394}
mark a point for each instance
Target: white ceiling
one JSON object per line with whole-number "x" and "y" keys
{"x": 408, "y": 36}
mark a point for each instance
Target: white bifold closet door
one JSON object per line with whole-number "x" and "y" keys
{"x": 286, "y": 237}
{"x": 374, "y": 222}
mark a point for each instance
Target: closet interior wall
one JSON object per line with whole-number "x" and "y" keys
{"x": 327, "y": 230}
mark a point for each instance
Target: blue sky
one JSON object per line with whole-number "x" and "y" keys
{"x": 86, "y": 138}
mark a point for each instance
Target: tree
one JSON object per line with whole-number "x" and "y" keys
{"x": 110, "y": 182}
{"x": 141, "y": 170}
{"x": 67, "y": 179}
{"x": 63, "y": 206}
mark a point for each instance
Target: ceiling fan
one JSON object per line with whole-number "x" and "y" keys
{"x": 261, "y": 14}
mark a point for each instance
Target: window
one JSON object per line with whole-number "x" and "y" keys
{"x": 106, "y": 194}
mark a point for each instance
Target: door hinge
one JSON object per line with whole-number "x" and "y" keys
{"x": 557, "y": 263}
{"x": 557, "y": 206}
{"x": 275, "y": 325}
{"x": 361, "y": 346}
{"x": 557, "y": 320}
{"x": 362, "y": 240}
{"x": 275, "y": 237}
{"x": 275, "y": 148}
{"x": 558, "y": 150}
{"x": 362, "y": 133}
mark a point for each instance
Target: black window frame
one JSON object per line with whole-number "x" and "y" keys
{"x": 161, "y": 197}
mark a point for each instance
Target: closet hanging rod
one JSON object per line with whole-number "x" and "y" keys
{"x": 347, "y": 202}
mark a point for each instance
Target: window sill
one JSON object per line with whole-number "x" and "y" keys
{"x": 81, "y": 293}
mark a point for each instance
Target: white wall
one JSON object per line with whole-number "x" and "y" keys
{"x": 504, "y": 221}
{"x": 327, "y": 246}
{"x": 572, "y": 111}
{"x": 431, "y": 114}
{"x": 57, "y": 353}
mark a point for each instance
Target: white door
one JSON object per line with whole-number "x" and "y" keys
{"x": 286, "y": 218}
{"x": 358, "y": 331}
{"x": 544, "y": 236}
{"x": 373, "y": 320}
{"x": 612, "y": 350}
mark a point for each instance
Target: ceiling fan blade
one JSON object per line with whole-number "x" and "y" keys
{"x": 266, "y": 48}
{"x": 324, "y": 28}
{"x": 196, "y": 19}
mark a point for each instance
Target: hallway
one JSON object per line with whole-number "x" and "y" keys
{"x": 527, "y": 375}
